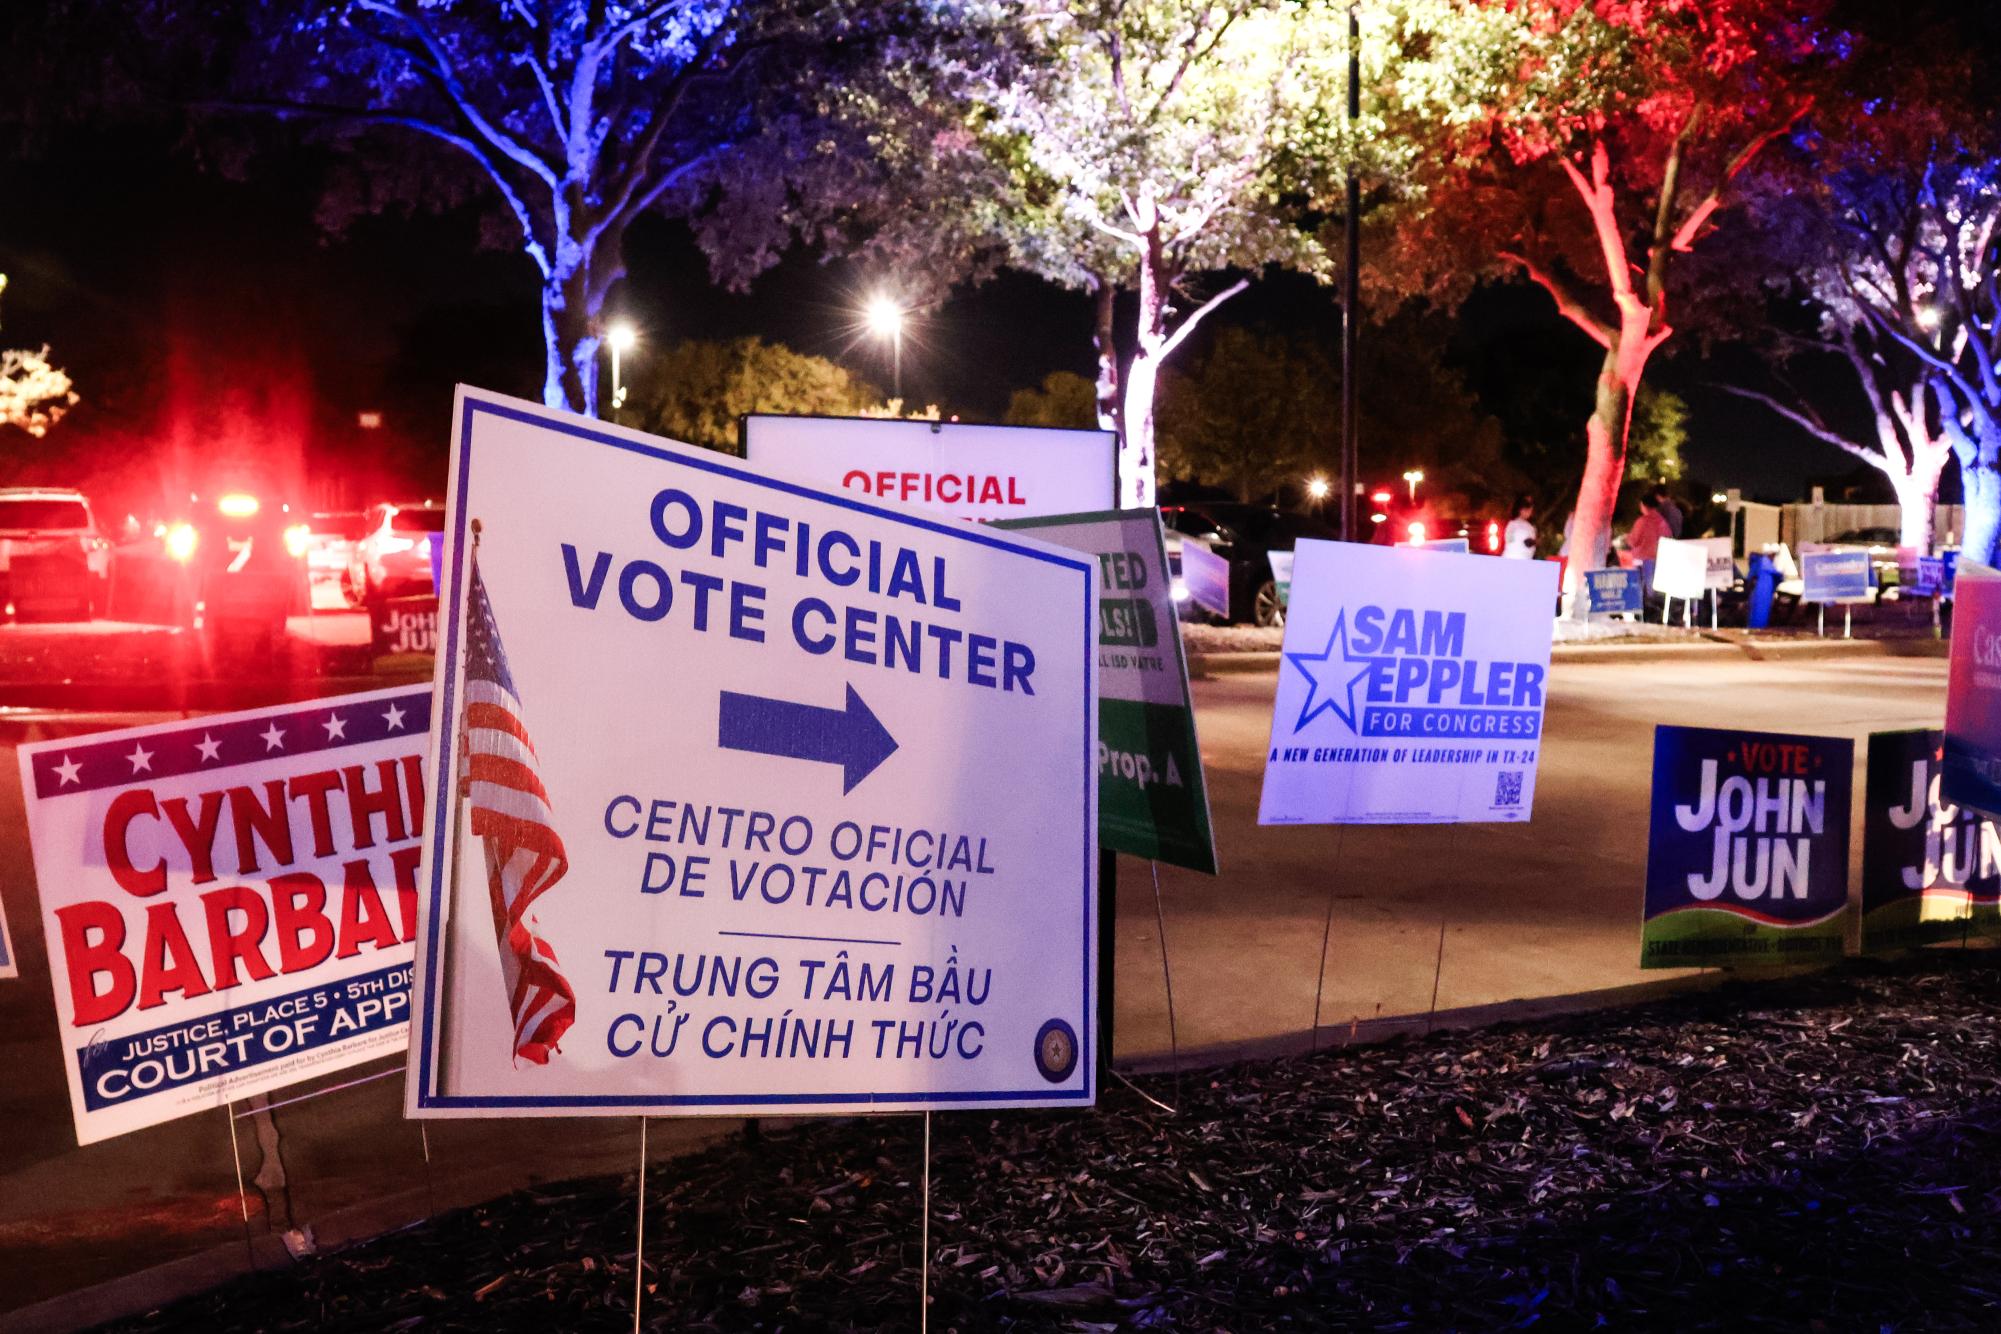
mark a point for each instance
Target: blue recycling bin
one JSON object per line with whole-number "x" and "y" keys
{"x": 1764, "y": 582}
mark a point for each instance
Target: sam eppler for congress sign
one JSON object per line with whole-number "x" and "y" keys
{"x": 1412, "y": 687}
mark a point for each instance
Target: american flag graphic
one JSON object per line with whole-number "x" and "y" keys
{"x": 511, "y": 817}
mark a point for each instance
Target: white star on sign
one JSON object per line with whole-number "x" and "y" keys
{"x": 66, "y": 771}
{"x": 141, "y": 758}
{"x": 209, "y": 747}
{"x": 394, "y": 717}
{"x": 274, "y": 738}
{"x": 336, "y": 727}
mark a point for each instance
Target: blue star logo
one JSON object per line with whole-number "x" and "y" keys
{"x": 1324, "y": 677}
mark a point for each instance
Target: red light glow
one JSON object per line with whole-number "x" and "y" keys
{"x": 181, "y": 540}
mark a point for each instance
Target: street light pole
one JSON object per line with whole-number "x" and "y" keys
{"x": 885, "y": 320}
{"x": 620, "y": 338}
{"x": 1351, "y": 284}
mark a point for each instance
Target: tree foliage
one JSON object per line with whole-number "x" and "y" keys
{"x": 1598, "y": 142}
{"x": 34, "y": 392}
{"x": 1660, "y": 433}
{"x": 576, "y": 117}
{"x": 1258, "y": 410}
{"x": 1162, "y": 146}
{"x": 696, "y": 391}
{"x": 1063, "y": 399}
{"x": 1877, "y": 222}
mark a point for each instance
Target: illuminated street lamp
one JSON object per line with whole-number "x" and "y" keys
{"x": 885, "y": 320}
{"x": 621, "y": 338}
{"x": 1317, "y": 488}
{"x": 1927, "y": 317}
{"x": 1411, "y": 479}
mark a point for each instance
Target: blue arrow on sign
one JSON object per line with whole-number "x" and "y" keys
{"x": 852, "y": 737}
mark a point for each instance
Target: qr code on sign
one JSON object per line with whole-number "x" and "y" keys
{"x": 1508, "y": 788}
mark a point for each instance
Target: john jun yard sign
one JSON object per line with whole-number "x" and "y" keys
{"x": 760, "y": 798}
{"x": 1747, "y": 855}
{"x": 1931, "y": 871}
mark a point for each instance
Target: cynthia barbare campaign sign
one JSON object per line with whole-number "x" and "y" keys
{"x": 229, "y": 902}
{"x": 1747, "y": 854}
{"x": 1931, "y": 871}
{"x": 1151, "y": 798}
{"x": 764, "y": 798}
{"x": 1412, "y": 687}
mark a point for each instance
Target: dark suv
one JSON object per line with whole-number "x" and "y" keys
{"x": 1244, "y": 535}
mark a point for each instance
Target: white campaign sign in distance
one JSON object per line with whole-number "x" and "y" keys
{"x": 967, "y": 471}
{"x": 822, "y": 773}
{"x": 1689, "y": 567}
{"x": 1205, "y": 576}
{"x": 230, "y": 902}
{"x": 1410, "y": 689}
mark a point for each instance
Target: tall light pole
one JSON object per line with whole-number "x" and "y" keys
{"x": 885, "y": 320}
{"x": 620, "y": 338}
{"x": 1351, "y": 284}
{"x": 1411, "y": 479}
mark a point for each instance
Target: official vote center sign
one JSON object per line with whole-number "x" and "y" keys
{"x": 1152, "y": 801}
{"x": 1747, "y": 850}
{"x": 966, "y": 470}
{"x": 1411, "y": 687}
{"x": 758, "y": 798}
{"x": 230, "y": 902}
{"x": 1931, "y": 871}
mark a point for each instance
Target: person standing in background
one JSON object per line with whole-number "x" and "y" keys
{"x": 1643, "y": 543}
{"x": 1669, "y": 511}
{"x": 1519, "y": 539}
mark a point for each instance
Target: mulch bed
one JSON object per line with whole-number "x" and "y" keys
{"x": 1814, "y": 1154}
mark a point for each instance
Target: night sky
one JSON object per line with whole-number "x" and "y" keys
{"x": 167, "y": 287}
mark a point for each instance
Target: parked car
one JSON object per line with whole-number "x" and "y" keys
{"x": 236, "y": 567}
{"x": 394, "y": 555}
{"x": 54, "y": 561}
{"x": 1244, "y": 535}
{"x": 331, "y": 540}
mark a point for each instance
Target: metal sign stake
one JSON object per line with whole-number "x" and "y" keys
{"x": 242, "y": 1200}
{"x": 1437, "y": 971}
{"x": 1167, "y": 977}
{"x": 924, "y": 1242}
{"x": 639, "y": 1245}
{"x": 1326, "y": 932}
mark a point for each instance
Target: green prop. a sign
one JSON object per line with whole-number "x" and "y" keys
{"x": 1152, "y": 801}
